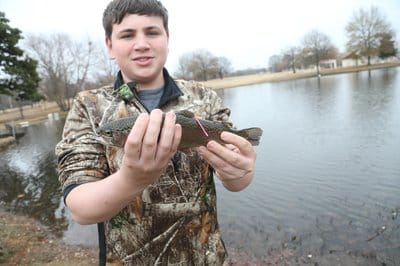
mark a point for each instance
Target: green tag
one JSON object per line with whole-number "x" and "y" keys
{"x": 125, "y": 92}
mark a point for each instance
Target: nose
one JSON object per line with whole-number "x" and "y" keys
{"x": 141, "y": 42}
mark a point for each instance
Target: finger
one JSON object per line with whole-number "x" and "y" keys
{"x": 232, "y": 147}
{"x": 230, "y": 157}
{"x": 133, "y": 143}
{"x": 224, "y": 170}
{"x": 150, "y": 140}
{"x": 241, "y": 143}
{"x": 167, "y": 136}
{"x": 177, "y": 138}
{"x": 215, "y": 160}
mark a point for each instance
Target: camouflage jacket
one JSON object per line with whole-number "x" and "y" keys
{"x": 174, "y": 221}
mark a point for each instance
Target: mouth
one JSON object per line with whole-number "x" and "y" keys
{"x": 143, "y": 59}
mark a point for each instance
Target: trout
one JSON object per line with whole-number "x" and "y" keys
{"x": 195, "y": 132}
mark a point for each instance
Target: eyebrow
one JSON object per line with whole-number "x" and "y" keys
{"x": 128, "y": 30}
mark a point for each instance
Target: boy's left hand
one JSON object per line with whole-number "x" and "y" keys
{"x": 233, "y": 162}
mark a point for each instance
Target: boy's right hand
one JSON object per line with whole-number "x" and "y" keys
{"x": 148, "y": 149}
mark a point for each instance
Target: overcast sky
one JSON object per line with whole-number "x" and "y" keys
{"x": 246, "y": 32}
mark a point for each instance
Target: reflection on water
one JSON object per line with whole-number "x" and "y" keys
{"x": 28, "y": 176}
{"x": 327, "y": 175}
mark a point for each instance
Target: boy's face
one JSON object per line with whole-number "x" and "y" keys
{"x": 139, "y": 44}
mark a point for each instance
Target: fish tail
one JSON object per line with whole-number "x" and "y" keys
{"x": 253, "y": 135}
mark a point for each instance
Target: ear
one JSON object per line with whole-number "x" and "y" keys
{"x": 109, "y": 48}
{"x": 168, "y": 42}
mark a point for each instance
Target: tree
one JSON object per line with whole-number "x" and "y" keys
{"x": 291, "y": 58}
{"x": 364, "y": 32}
{"x": 387, "y": 47}
{"x": 64, "y": 65}
{"x": 224, "y": 66}
{"x": 18, "y": 76}
{"x": 318, "y": 46}
{"x": 275, "y": 63}
{"x": 202, "y": 65}
{"x": 183, "y": 71}
{"x": 105, "y": 69}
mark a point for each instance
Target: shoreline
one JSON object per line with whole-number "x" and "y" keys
{"x": 231, "y": 82}
{"x": 25, "y": 241}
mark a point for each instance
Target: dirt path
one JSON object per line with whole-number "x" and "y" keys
{"x": 24, "y": 241}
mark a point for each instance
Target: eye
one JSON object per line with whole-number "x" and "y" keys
{"x": 153, "y": 33}
{"x": 126, "y": 36}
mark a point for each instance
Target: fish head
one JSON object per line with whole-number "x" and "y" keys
{"x": 112, "y": 137}
{"x": 104, "y": 132}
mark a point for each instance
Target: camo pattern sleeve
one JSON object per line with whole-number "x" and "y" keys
{"x": 203, "y": 101}
{"x": 81, "y": 156}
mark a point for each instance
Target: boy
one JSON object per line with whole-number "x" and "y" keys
{"x": 152, "y": 203}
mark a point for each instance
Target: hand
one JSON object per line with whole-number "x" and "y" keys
{"x": 147, "y": 151}
{"x": 233, "y": 162}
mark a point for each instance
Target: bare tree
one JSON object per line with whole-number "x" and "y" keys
{"x": 290, "y": 58}
{"x": 105, "y": 68}
{"x": 275, "y": 63}
{"x": 224, "y": 66}
{"x": 183, "y": 71}
{"x": 317, "y": 47}
{"x": 64, "y": 65}
{"x": 364, "y": 32}
{"x": 202, "y": 65}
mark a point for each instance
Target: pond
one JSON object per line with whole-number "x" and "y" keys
{"x": 327, "y": 177}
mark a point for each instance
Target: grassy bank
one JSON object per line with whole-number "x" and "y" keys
{"x": 231, "y": 82}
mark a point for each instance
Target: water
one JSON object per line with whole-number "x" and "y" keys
{"x": 327, "y": 177}
{"x": 328, "y": 170}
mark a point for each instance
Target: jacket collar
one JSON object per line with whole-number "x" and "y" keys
{"x": 171, "y": 90}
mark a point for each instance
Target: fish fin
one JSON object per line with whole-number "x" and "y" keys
{"x": 253, "y": 135}
{"x": 186, "y": 113}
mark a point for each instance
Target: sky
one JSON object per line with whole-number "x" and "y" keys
{"x": 246, "y": 32}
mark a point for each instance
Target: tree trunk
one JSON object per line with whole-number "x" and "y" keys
{"x": 21, "y": 110}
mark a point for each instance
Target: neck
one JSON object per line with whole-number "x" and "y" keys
{"x": 150, "y": 84}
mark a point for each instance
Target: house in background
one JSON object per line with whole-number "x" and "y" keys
{"x": 352, "y": 59}
{"x": 328, "y": 63}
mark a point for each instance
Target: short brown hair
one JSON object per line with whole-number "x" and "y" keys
{"x": 118, "y": 9}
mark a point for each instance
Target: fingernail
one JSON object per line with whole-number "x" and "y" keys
{"x": 211, "y": 144}
{"x": 200, "y": 150}
{"x": 171, "y": 115}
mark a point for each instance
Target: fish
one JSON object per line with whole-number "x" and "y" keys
{"x": 195, "y": 132}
